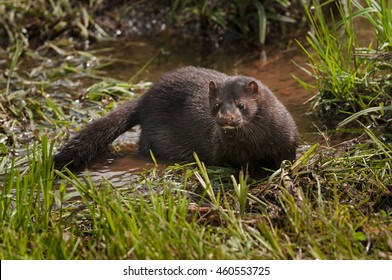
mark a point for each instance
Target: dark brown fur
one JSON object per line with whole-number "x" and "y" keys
{"x": 232, "y": 120}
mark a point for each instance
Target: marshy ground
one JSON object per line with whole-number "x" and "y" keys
{"x": 58, "y": 72}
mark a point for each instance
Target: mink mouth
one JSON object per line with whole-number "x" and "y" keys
{"x": 234, "y": 125}
{"x": 228, "y": 127}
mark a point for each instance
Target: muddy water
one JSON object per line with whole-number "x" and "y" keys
{"x": 275, "y": 69}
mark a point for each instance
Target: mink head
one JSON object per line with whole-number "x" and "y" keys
{"x": 234, "y": 102}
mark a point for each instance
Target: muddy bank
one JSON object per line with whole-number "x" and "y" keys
{"x": 215, "y": 22}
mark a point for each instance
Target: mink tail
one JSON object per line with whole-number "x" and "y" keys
{"x": 95, "y": 136}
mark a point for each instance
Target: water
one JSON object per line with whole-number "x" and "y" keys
{"x": 273, "y": 67}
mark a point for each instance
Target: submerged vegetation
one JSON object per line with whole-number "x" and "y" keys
{"x": 333, "y": 202}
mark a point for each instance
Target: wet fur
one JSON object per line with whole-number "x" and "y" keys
{"x": 185, "y": 112}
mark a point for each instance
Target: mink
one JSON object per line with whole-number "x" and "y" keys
{"x": 225, "y": 120}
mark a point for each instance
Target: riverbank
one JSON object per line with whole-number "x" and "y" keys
{"x": 333, "y": 202}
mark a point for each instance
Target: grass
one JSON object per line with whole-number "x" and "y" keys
{"x": 350, "y": 77}
{"x": 333, "y": 202}
{"x": 343, "y": 211}
{"x": 245, "y": 19}
{"x": 39, "y": 21}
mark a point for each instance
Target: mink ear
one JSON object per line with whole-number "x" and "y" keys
{"x": 253, "y": 87}
{"x": 211, "y": 87}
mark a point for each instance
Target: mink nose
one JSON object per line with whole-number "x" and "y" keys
{"x": 227, "y": 120}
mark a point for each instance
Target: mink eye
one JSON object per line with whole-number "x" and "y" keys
{"x": 241, "y": 106}
{"x": 216, "y": 105}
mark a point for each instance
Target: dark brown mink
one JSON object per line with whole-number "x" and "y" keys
{"x": 226, "y": 120}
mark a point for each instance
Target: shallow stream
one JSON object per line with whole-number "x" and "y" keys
{"x": 274, "y": 67}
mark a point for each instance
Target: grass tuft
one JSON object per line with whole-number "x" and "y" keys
{"x": 351, "y": 78}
